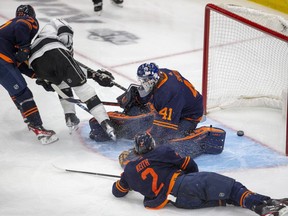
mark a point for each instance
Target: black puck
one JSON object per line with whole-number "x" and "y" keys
{"x": 240, "y": 133}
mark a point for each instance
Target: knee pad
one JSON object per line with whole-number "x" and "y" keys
{"x": 84, "y": 92}
{"x": 63, "y": 85}
{"x": 28, "y": 106}
{"x": 23, "y": 96}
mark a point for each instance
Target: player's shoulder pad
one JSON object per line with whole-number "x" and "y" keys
{"x": 28, "y": 21}
{"x": 62, "y": 26}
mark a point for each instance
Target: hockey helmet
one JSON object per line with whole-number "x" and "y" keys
{"x": 143, "y": 143}
{"x": 25, "y": 10}
{"x": 148, "y": 75}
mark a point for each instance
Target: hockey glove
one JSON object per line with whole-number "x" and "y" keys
{"x": 46, "y": 85}
{"x": 23, "y": 53}
{"x": 102, "y": 77}
{"x": 24, "y": 69}
{"x": 130, "y": 99}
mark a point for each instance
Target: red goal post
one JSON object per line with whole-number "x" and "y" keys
{"x": 245, "y": 59}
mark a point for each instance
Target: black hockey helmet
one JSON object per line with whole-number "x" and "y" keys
{"x": 143, "y": 143}
{"x": 25, "y": 10}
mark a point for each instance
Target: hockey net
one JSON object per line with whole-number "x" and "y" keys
{"x": 245, "y": 61}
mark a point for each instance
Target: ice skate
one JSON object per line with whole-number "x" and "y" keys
{"x": 273, "y": 207}
{"x": 106, "y": 125}
{"x": 98, "y": 8}
{"x": 72, "y": 122}
{"x": 43, "y": 135}
{"x": 118, "y": 3}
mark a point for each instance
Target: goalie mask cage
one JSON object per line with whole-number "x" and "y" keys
{"x": 245, "y": 59}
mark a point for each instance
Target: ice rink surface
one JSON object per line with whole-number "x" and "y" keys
{"x": 169, "y": 33}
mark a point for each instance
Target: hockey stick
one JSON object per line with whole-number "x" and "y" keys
{"x": 112, "y": 82}
{"x": 85, "y": 172}
{"x": 77, "y": 101}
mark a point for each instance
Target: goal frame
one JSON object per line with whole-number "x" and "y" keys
{"x": 224, "y": 12}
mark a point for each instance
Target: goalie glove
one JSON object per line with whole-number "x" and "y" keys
{"x": 102, "y": 77}
{"x": 130, "y": 98}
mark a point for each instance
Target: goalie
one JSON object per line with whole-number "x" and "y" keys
{"x": 177, "y": 107}
{"x": 169, "y": 107}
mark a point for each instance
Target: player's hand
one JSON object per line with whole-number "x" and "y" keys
{"x": 46, "y": 85}
{"x": 103, "y": 77}
{"x": 23, "y": 53}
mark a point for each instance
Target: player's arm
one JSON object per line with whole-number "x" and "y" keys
{"x": 24, "y": 69}
{"x": 120, "y": 188}
{"x": 186, "y": 164}
{"x": 23, "y": 27}
{"x": 65, "y": 33}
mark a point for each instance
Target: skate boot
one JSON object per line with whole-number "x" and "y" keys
{"x": 273, "y": 207}
{"x": 43, "y": 135}
{"x": 118, "y": 3}
{"x": 107, "y": 126}
{"x": 72, "y": 122}
{"x": 98, "y": 7}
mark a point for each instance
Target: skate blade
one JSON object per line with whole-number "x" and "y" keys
{"x": 48, "y": 139}
{"x": 112, "y": 136}
{"x": 284, "y": 211}
{"x": 98, "y": 13}
{"x": 72, "y": 129}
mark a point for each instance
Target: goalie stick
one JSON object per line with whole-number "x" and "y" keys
{"x": 112, "y": 82}
{"x": 85, "y": 172}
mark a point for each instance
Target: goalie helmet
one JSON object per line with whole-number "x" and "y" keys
{"x": 143, "y": 143}
{"x": 25, "y": 10}
{"x": 148, "y": 76}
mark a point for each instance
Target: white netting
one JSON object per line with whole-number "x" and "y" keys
{"x": 246, "y": 66}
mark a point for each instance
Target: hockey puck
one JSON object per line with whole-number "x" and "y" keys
{"x": 240, "y": 133}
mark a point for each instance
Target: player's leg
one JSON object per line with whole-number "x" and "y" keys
{"x": 261, "y": 204}
{"x": 73, "y": 75}
{"x": 72, "y": 121}
{"x": 98, "y": 5}
{"x": 202, "y": 189}
{"x": 12, "y": 80}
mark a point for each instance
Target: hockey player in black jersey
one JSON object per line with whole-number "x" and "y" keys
{"x": 162, "y": 177}
{"x": 15, "y": 38}
{"x": 52, "y": 59}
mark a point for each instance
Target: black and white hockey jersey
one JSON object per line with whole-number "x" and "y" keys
{"x": 56, "y": 34}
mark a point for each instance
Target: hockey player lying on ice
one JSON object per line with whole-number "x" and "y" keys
{"x": 162, "y": 177}
{"x": 169, "y": 107}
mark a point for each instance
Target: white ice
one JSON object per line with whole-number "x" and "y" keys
{"x": 171, "y": 34}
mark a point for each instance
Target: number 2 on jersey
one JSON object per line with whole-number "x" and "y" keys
{"x": 154, "y": 175}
